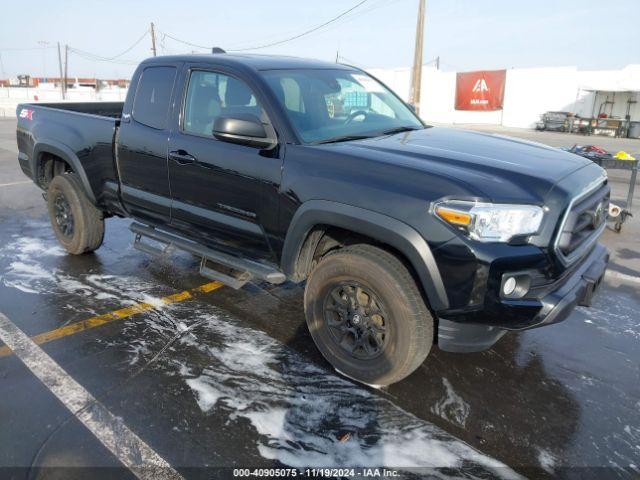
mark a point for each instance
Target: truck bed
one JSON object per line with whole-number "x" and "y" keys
{"x": 80, "y": 134}
{"x": 103, "y": 109}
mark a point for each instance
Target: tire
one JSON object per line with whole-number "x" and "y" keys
{"x": 400, "y": 336}
{"x": 82, "y": 229}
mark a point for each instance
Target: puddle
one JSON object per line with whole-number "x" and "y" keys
{"x": 301, "y": 412}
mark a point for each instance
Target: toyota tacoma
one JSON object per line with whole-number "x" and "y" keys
{"x": 275, "y": 168}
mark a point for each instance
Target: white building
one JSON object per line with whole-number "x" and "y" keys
{"x": 529, "y": 92}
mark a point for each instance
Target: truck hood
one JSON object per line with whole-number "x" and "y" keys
{"x": 492, "y": 166}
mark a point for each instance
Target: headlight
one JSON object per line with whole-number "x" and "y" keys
{"x": 491, "y": 222}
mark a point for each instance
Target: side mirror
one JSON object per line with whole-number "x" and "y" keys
{"x": 243, "y": 129}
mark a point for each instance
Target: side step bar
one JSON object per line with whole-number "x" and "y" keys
{"x": 243, "y": 270}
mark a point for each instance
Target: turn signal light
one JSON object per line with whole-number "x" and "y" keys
{"x": 454, "y": 217}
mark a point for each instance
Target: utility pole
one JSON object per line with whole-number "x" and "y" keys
{"x": 61, "y": 76}
{"x": 153, "y": 39}
{"x": 416, "y": 74}
{"x": 66, "y": 67}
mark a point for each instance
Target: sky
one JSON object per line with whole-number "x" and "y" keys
{"x": 465, "y": 34}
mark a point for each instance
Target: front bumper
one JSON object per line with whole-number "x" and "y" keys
{"x": 462, "y": 334}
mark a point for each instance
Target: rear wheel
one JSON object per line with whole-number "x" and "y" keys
{"x": 366, "y": 315}
{"x": 77, "y": 223}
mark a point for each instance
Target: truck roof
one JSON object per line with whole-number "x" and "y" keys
{"x": 257, "y": 62}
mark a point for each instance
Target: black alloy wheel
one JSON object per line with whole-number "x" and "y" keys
{"x": 366, "y": 314}
{"x": 63, "y": 215}
{"x": 77, "y": 223}
{"x": 356, "y": 320}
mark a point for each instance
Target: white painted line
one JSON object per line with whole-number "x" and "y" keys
{"x": 24, "y": 182}
{"x": 125, "y": 445}
{"x": 622, "y": 276}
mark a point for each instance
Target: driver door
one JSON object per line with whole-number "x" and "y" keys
{"x": 225, "y": 194}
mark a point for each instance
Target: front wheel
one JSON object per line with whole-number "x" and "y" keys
{"x": 77, "y": 223}
{"x": 366, "y": 315}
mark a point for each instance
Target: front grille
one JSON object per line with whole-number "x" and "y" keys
{"x": 583, "y": 223}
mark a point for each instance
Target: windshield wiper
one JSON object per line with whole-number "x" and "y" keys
{"x": 346, "y": 138}
{"x": 391, "y": 131}
{"x": 342, "y": 138}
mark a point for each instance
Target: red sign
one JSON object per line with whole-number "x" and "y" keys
{"x": 483, "y": 90}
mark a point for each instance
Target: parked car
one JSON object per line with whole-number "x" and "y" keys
{"x": 275, "y": 169}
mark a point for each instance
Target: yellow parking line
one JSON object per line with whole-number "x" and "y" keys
{"x": 109, "y": 317}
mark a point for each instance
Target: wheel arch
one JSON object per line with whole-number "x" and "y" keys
{"x": 44, "y": 148}
{"x": 315, "y": 215}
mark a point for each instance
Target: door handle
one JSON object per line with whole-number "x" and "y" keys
{"x": 182, "y": 157}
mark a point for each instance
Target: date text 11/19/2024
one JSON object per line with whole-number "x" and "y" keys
{"x": 316, "y": 472}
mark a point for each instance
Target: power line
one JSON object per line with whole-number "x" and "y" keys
{"x": 452, "y": 66}
{"x": 295, "y": 37}
{"x": 94, "y": 59}
{"x": 184, "y": 41}
{"x": 341, "y": 18}
{"x": 100, "y": 58}
{"x": 91, "y": 57}
{"x": 352, "y": 16}
{"x": 435, "y": 60}
{"x": 279, "y": 42}
{"x": 370, "y": 8}
{"x": 346, "y": 18}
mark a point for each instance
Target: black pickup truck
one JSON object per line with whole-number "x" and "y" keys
{"x": 275, "y": 168}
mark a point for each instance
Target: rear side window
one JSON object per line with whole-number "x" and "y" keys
{"x": 151, "y": 103}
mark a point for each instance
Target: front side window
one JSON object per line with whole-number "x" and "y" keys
{"x": 153, "y": 96}
{"x": 212, "y": 94}
{"x": 334, "y": 104}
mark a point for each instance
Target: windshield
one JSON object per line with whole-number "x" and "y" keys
{"x": 338, "y": 105}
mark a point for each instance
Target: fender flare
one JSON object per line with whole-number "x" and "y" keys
{"x": 380, "y": 227}
{"x": 56, "y": 148}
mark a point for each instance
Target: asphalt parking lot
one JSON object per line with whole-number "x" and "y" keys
{"x": 209, "y": 379}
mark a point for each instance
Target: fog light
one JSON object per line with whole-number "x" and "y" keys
{"x": 509, "y": 286}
